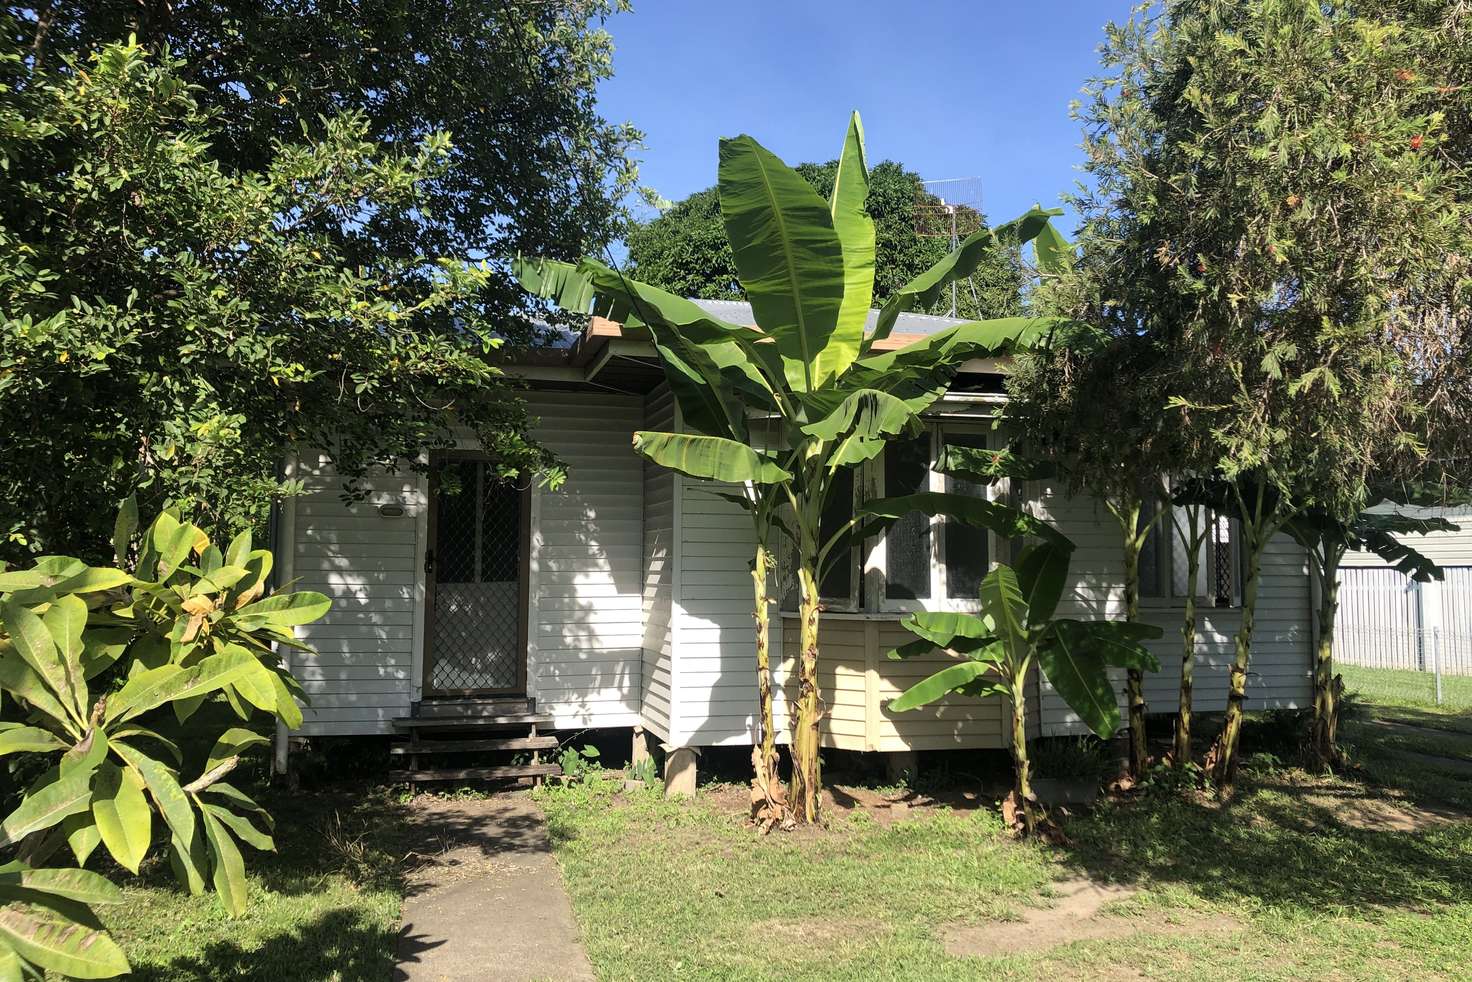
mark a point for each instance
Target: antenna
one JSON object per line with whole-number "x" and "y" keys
{"x": 950, "y": 210}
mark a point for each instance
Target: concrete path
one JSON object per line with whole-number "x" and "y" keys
{"x": 489, "y": 903}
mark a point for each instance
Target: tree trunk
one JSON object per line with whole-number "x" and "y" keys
{"x": 768, "y": 801}
{"x": 1222, "y": 759}
{"x": 1324, "y": 742}
{"x": 1134, "y": 685}
{"x": 1194, "y": 540}
{"x": 806, "y": 780}
{"x": 1028, "y": 806}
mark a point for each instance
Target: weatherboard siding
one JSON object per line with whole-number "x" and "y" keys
{"x": 658, "y": 582}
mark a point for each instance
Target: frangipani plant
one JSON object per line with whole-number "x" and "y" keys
{"x": 829, "y": 395}
{"x": 1016, "y": 630}
{"x": 95, "y": 664}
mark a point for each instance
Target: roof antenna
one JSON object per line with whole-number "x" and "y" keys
{"x": 950, "y": 210}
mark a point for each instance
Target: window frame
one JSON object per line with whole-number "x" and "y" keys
{"x": 1164, "y": 542}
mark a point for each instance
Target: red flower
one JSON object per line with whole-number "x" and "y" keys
{"x": 1416, "y": 141}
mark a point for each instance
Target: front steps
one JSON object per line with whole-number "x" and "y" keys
{"x": 498, "y": 731}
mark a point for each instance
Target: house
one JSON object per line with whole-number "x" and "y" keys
{"x": 623, "y": 598}
{"x": 1388, "y": 620}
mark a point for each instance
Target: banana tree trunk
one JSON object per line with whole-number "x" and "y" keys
{"x": 806, "y": 779}
{"x": 1182, "y": 752}
{"x": 1028, "y": 806}
{"x": 1324, "y": 737}
{"x": 1222, "y": 760}
{"x": 768, "y": 801}
{"x": 1134, "y": 678}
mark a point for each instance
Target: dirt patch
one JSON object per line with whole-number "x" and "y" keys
{"x": 1079, "y": 915}
{"x": 1381, "y": 814}
{"x": 816, "y": 930}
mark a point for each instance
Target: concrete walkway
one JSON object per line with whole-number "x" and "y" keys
{"x": 490, "y": 903}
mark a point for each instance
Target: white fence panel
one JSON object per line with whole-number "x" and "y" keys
{"x": 1387, "y": 620}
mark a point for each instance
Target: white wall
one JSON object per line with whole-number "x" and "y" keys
{"x": 1279, "y": 675}
{"x": 362, "y": 674}
{"x": 1444, "y": 548}
{"x": 659, "y": 567}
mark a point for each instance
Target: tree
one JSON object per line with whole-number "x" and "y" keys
{"x": 685, "y": 251}
{"x": 1267, "y": 186}
{"x": 173, "y": 327}
{"x": 809, "y": 365}
{"x": 532, "y": 167}
{"x": 1017, "y": 630}
{"x": 104, "y": 670}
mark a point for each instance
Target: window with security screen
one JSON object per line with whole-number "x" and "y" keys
{"x": 1165, "y": 559}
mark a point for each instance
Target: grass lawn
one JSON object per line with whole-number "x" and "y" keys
{"x": 1388, "y": 687}
{"x": 1299, "y": 877}
{"x": 325, "y": 906}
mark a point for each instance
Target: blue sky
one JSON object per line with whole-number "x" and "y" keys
{"x": 951, "y": 89}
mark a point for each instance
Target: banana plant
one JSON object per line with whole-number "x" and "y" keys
{"x": 97, "y": 664}
{"x": 810, "y": 367}
{"x": 1326, "y": 540}
{"x": 1015, "y": 631}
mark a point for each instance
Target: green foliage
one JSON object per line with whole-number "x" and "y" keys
{"x": 579, "y": 763}
{"x": 685, "y": 251}
{"x": 1001, "y": 645}
{"x": 173, "y": 325}
{"x": 98, "y": 665}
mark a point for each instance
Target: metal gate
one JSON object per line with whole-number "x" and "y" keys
{"x": 475, "y": 580}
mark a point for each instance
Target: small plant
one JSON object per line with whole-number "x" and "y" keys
{"x": 643, "y": 770}
{"x": 1072, "y": 757}
{"x": 579, "y": 763}
{"x": 1165, "y": 779}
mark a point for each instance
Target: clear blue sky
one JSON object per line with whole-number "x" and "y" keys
{"x": 951, "y": 89}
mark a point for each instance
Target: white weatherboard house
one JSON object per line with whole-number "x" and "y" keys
{"x": 623, "y": 598}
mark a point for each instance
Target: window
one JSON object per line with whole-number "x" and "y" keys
{"x": 926, "y": 562}
{"x": 1164, "y": 563}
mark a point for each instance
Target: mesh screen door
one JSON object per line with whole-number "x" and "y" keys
{"x": 474, "y": 582}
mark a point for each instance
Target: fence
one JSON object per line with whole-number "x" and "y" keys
{"x": 1388, "y": 621}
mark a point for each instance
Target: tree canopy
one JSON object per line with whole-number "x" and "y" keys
{"x": 684, "y": 250}
{"x": 531, "y": 167}
{"x": 173, "y": 326}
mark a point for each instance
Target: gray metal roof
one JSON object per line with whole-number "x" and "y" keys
{"x": 739, "y": 312}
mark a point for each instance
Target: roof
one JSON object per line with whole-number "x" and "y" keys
{"x": 739, "y": 312}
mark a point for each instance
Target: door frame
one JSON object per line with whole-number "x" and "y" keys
{"x": 523, "y": 581}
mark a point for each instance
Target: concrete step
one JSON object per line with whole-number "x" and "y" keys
{"x": 476, "y": 773}
{"x": 472, "y": 746}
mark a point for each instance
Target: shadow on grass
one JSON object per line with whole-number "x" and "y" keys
{"x": 341, "y": 944}
{"x": 1280, "y": 843}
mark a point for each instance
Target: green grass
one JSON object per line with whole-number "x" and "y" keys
{"x": 683, "y": 890}
{"x": 1395, "y": 687}
{"x": 325, "y": 906}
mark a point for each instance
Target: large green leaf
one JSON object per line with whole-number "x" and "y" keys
{"x": 171, "y": 799}
{"x": 946, "y": 350}
{"x": 153, "y": 687}
{"x": 123, "y": 528}
{"x": 855, "y": 231}
{"x": 787, "y": 254}
{"x": 123, "y": 817}
{"x": 1115, "y": 643}
{"x": 282, "y": 610}
{"x": 995, "y": 516}
{"x": 928, "y": 690}
{"x": 82, "y": 836}
{"x": 29, "y": 739}
{"x": 867, "y": 413}
{"x": 241, "y": 826}
{"x": 21, "y": 681}
{"x": 80, "y": 885}
{"x": 46, "y": 805}
{"x": 942, "y": 628}
{"x": 232, "y": 743}
{"x": 1042, "y": 572}
{"x": 1080, "y": 676}
{"x": 961, "y": 262}
{"x": 1005, "y": 607}
{"x": 710, "y": 457}
{"x": 65, "y": 620}
{"x": 1376, "y": 533}
{"x": 61, "y": 945}
{"x": 1054, "y": 254}
{"x": 30, "y": 639}
{"x": 228, "y": 870}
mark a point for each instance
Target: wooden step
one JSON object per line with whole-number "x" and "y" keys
{"x": 471, "y": 722}
{"x": 471, "y": 746}
{"x": 498, "y": 706}
{"x": 476, "y": 773}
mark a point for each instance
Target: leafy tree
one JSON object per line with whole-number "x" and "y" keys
{"x": 685, "y": 251}
{"x": 1015, "y": 632}
{"x": 532, "y": 168}
{"x": 172, "y": 326}
{"x": 1267, "y": 197}
{"x": 809, "y": 365}
{"x": 103, "y": 669}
